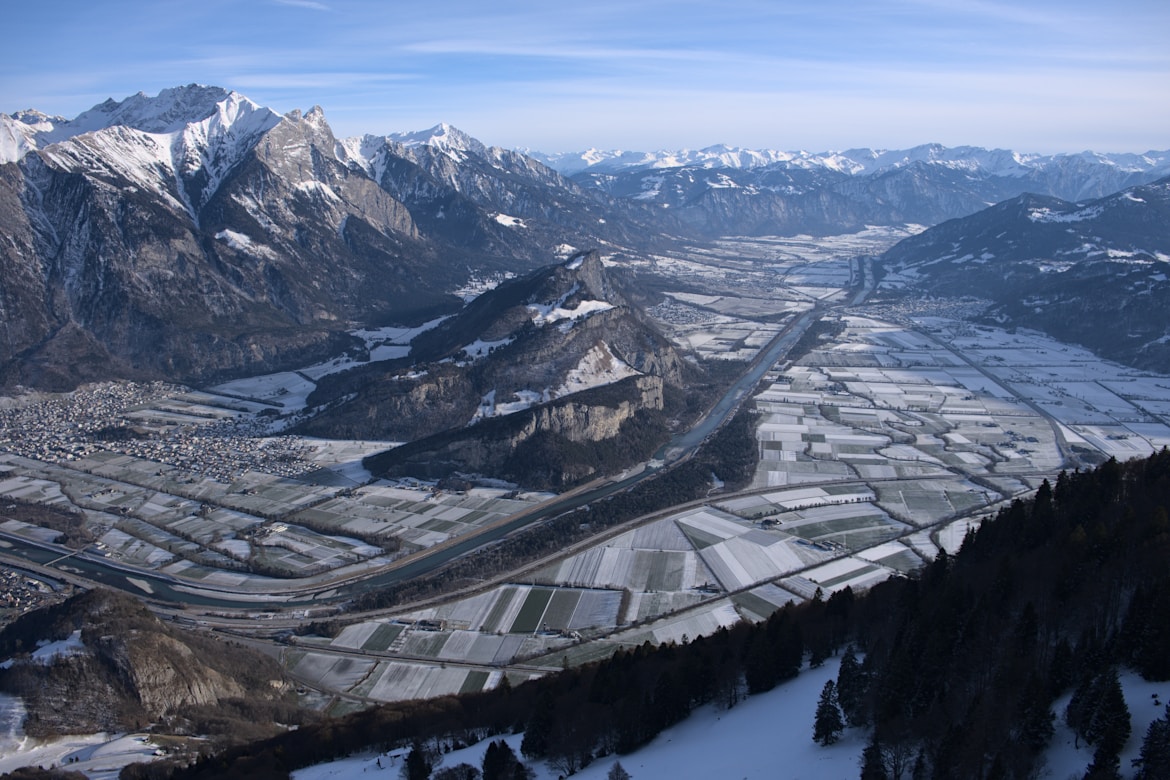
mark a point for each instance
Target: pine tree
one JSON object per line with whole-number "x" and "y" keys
{"x": 828, "y": 724}
{"x": 1109, "y": 725}
{"x": 500, "y": 761}
{"x": 1034, "y": 716}
{"x": 540, "y": 727}
{"x": 873, "y": 766}
{"x": 852, "y": 685}
{"x": 617, "y": 772}
{"x": 1154, "y": 760}
{"x": 418, "y": 764}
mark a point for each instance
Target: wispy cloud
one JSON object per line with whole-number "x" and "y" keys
{"x": 636, "y": 74}
{"x": 310, "y": 4}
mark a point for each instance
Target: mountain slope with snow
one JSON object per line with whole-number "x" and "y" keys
{"x": 1095, "y": 273}
{"x": 537, "y": 381}
{"x": 195, "y": 235}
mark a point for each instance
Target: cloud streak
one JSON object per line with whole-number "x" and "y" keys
{"x": 309, "y": 4}
{"x": 640, "y": 72}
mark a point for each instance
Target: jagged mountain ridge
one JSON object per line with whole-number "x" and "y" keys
{"x": 197, "y": 235}
{"x": 1093, "y": 273}
{"x": 560, "y": 354}
{"x": 722, "y": 190}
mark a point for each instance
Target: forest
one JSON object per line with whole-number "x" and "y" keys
{"x": 954, "y": 670}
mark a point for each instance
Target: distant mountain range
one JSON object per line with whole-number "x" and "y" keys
{"x": 723, "y": 191}
{"x": 196, "y": 235}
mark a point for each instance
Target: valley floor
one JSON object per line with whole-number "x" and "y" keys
{"x": 879, "y": 445}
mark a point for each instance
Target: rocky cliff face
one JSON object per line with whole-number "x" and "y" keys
{"x": 117, "y": 667}
{"x": 552, "y": 445}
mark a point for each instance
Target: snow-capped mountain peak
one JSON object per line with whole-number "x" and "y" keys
{"x": 442, "y": 136}
{"x": 194, "y": 111}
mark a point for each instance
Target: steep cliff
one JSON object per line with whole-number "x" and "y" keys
{"x": 552, "y": 445}
{"x": 101, "y": 662}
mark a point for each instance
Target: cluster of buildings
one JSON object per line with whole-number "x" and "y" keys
{"x": 20, "y": 593}
{"x": 125, "y": 418}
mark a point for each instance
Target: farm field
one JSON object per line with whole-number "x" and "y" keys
{"x": 217, "y": 501}
{"x": 879, "y": 446}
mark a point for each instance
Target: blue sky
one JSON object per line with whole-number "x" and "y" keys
{"x": 817, "y": 75}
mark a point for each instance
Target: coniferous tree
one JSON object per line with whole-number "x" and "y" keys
{"x": 1145, "y": 634}
{"x": 617, "y": 772}
{"x": 501, "y": 763}
{"x": 418, "y": 763}
{"x": 873, "y": 765}
{"x": 1105, "y": 766}
{"x": 1109, "y": 727}
{"x": 852, "y": 686}
{"x": 828, "y": 724}
{"x": 540, "y": 727}
{"x": 1154, "y": 760}
{"x": 1034, "y": 716}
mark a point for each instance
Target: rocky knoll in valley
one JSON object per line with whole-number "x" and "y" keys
{"x": 521, "y": 385}
{"x": 101, "y": 662}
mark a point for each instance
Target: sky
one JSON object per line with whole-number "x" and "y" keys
{"x": 818, "y": 75}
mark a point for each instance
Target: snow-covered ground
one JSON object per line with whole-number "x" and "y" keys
{"x": 1063, "y": 759}
{"x": 765, "y": 736}
{"x": 769, "y": 736}
{"x": 97, "y": 756}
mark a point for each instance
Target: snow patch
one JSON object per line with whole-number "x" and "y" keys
{"x": 522, "y": 399}
{"x": 480, "y": 348}
{"x": 598, "y": 367}
{"x": 47, "y": 651}
{"x": 508, "y": 221}
{"x": 548, "y": 313}
{"x": 1047, "y": 215}
{"x": 244, "y": 243}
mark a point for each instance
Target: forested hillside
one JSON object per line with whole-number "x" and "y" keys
{"x": 962, "y": 662}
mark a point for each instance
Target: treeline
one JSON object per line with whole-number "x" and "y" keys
{"x": 962, "y": 662}
{"x": 731, "y": 454}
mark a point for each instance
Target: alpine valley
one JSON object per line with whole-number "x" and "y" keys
{"x": 399, "y": 445}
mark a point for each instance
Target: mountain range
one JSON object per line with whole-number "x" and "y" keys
{"x": 196, "y": 235}
{"x": 729, "y": 191}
